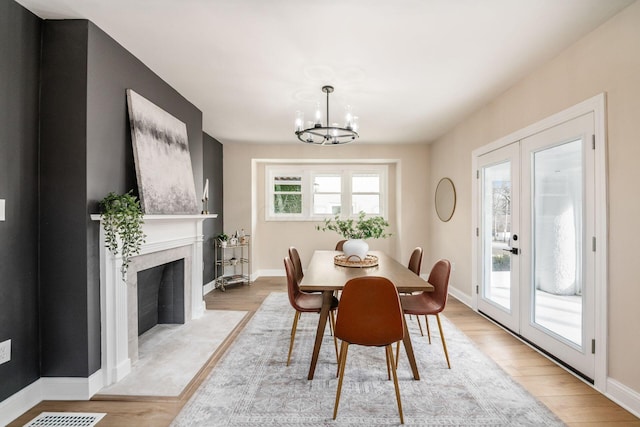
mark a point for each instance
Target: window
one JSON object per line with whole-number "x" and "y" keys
{"x": 314, "y": 192}
{"x": 287, "y": 195}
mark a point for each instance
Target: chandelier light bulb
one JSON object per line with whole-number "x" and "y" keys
{"x": 318, "y": 115}
{"x": 348, "y": 117}
{"x": 299, "y": 121}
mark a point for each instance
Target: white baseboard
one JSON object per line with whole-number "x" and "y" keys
{"x": 270, "y": 273}
{"x": 208, "y": 287}
{"x": 460, "y": 296}
{"x": 49, "y": 388}
{"x": 19, "y": 403}
{"x": 624, "y": 396}
{"x": 71, "y": 388}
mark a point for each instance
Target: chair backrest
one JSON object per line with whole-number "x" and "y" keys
{"x": 293, "y": 286}
{"x": 339, "y": 245}
{"x": 439, "y": 278}
{"x": 297, "y": 265}
{"x": 415, "y": 262}
{"x": 370, "y": 312}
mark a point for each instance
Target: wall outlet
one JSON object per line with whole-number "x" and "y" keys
{"x": 5, "y": 351}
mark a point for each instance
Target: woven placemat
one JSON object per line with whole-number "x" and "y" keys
{"x": 355, "y": 261}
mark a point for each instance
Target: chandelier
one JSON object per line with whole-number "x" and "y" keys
{"x": 316, "y": 133}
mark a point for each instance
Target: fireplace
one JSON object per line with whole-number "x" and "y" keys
{"x": 169, "y": 238}
{"x": 161, "y": 295}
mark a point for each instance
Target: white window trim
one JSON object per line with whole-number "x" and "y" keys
{"x": 307, "y": 171}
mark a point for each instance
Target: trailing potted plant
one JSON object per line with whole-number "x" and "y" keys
{"x": 122, "y": 221}
{"x": 356, "y": 231}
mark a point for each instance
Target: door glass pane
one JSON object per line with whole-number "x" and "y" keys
{"x": 496, "y": 226}
{"x": 558, "y": 233}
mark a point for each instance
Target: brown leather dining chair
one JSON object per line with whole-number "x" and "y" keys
{"x": 297, "y": 264}
{"x": 304, "y": 302}
{"x": 370, "y": 315}
{"x": 431, "y": 303}
{"x": 340, "y": 245}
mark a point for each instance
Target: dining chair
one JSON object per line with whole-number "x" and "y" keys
{"x": 415, "y": 265}
{"x": 339, "y": 245}
{"x": 431, "y": 303}
{"x": 304, "y": 302}
{"x": 297, "y": 265}
{"x": 370, "y": 315}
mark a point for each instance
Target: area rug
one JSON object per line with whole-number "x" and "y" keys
{"x": 252, "y": 386}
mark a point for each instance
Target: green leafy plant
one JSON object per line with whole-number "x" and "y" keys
{"x": 361, "y": 228}
{"x": 222, "y": 237}
{"x": 121, "y": 216}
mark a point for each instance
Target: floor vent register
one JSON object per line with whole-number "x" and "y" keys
{"x": 66, "y": 419}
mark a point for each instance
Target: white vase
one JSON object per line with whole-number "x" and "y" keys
{"x": 356, "y": 248}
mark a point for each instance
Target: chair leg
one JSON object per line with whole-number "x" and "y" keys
{"x": 296, "y": 316}
{"x": 332, "y": 325}
{"x": 444, "y": 344}
{"x": 386, "y": 356}
{"x": 419, "y": 325}
{"x": 344, "y": 347}
{"x": 397, "y": 353}
{"x": 426, "y": 320}
{"x": 395, "y": 382}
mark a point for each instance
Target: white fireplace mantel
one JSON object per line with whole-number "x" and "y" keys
{"x": 163, "y": 232}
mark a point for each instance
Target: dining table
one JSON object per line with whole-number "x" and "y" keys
{"x": 323, "y": 275}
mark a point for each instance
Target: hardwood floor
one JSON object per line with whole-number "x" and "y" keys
{"x": 573, "y": 401}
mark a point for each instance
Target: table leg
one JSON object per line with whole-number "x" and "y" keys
{"x": 409, "y": 349}
{"x": 327, "y": 297}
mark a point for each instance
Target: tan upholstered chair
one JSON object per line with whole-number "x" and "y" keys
{"x": 431, "y": 303}
{"x": 304, "y": 302}
{"x": 370, "y": 315}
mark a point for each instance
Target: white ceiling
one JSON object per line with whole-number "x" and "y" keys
{"x": 411, "y": 69}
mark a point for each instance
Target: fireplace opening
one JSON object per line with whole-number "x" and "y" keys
{"x": 161, "y": 295}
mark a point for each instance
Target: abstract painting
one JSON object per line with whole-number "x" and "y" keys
{"x": 161, "y": 155}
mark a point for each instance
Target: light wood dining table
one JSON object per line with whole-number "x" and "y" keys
{"x": 322, "y": 275}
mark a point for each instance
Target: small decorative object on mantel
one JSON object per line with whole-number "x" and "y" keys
{"x": 121, "y": 217}
{"x": 205, "y": 198}
{"x": 356, "y": 231}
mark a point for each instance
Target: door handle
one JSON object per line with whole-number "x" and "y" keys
{"x": 512, "y": 250}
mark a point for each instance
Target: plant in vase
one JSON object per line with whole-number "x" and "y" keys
{"x": 122, "y": 221}
{"x": 356, "y": 231}
{"x": 222, "y": 240}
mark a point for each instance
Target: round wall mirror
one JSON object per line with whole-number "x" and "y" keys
{"x": 445, "y": 199}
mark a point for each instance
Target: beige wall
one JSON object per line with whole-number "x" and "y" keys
{"x": 607, "y": 60}
{"x": 271, "y": 239}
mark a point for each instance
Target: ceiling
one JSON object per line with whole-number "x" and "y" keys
{"x": 410, "y": 69}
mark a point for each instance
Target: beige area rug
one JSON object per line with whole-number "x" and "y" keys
{"x": 252, "y": 386}
{"x": 169, "y": 356}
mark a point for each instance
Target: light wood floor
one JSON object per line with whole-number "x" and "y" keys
{"x": 576, "y": 403}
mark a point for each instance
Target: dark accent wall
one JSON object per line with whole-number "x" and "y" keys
{"x": 64, "y": 144}
{"x": 212, "y": 168}
{"x": 20, "y": 33}
{"x": 86, "y": 153}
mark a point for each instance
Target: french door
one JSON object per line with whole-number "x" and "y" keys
{"x": 535, "y": 240}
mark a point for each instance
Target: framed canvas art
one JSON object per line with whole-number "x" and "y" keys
{"x": 161, "y": 155}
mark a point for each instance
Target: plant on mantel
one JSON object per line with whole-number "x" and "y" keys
{"x": 121, "y": 217}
